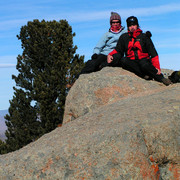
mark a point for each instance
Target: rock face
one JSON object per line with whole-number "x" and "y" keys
{"x": 105, "y": 87}
{"x": 116, "y": 126}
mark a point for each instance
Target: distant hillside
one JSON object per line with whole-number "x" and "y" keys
{"x": 3, "y": 112}
{"x": 2, "y": 123}
{"x": 2, "y": 136}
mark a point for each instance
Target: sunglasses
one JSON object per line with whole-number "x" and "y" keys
{"x": 113, "y": 22}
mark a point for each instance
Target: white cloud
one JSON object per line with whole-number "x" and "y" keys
{"x": 7, "y": 65}
{"x": 82, "y": 16}
{"x": 164, "y": 30}
{"x": 7, "y": 59}
{"x": 11, "y": 24}
{"x": 150, "y": 11}
{"x": 169, "y": 45}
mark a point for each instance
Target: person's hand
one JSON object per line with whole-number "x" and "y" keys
{"x": 109, "y": 59}
{"x": 159, "y": 71}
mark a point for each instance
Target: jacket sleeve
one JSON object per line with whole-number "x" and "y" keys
{"x": 153, "y": 54}
{"x": 100, "y": 45}
{"x": 119, "y": 49}
{"x": 113, "y": 52}
{"x": 155, "y": 62}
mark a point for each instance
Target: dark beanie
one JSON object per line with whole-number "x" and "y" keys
{"x": 115, "y": 16}
{"x": 132, "y": 20}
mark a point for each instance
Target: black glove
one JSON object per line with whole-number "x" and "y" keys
{"x": 94, "y": 56}
{"x": 148, "y": 34}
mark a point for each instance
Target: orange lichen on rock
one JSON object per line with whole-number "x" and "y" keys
{"x": 48, "y": 164}
{"x": 155, "y": 167}
{"x": 175, "y": 169}
{"x": 111, "y": 94}
{"x": 59, "y": 125}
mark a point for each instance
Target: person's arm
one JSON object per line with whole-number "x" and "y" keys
{"x": 156, "y": 64}
{"x": 100, "y": 45}
{"x": 153, "y": 55}
{"x": 117, "y": 51}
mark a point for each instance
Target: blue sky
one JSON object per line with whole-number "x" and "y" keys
{"x": 89, "y": 20}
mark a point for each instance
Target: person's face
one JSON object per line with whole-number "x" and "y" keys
{"x": 115, "y": 22}
{"x": 133, "y": 28}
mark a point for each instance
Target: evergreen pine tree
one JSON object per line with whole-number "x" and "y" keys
{"x": 47, "y": 65}
{"x": 3, "y": 148}
{"x": 22, "y": 123}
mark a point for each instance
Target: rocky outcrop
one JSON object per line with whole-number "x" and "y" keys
{"x": 123, "y": 128}
{"x": 105, "y": 87}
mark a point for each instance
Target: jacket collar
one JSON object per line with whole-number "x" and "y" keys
{"x": 135, "y": 33}
{"x": 122, "y": 27}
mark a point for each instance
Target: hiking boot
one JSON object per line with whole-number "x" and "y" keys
{"x": 166, "y": 81}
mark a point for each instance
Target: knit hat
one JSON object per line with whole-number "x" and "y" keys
{"x": 115, "y": 16}
{"x": 132, "y": 20}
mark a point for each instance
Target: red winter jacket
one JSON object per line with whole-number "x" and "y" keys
{"x": 138, "y": 46}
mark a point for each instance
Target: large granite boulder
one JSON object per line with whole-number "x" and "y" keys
{"x": 105, "y": 87}
{"x": 131, "y": 134}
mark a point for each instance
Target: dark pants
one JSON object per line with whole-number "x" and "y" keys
{"x": 94, "y": 65}
{"x": 97, "y": 64}
{"x": 141, "y": 68}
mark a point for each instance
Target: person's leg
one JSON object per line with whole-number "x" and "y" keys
{"x": 89, "y": 67}
{"x": 94, "y": 64}
{"x": 132, "y": 65}
{"x": 116, "y": 61}
{"x": 101, "y": 62}
{"x": 147, "y": 67}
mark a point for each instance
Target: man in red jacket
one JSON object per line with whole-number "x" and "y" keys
{"x": 140, "y": 54}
